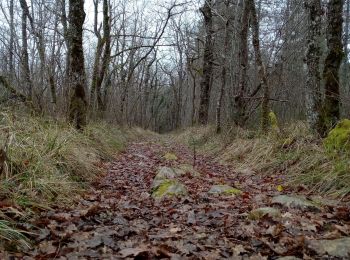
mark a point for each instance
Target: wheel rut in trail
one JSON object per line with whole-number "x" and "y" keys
{"x": 120, "y": 218}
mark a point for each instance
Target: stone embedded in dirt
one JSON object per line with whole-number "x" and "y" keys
{"x": 173, "y": 173}
{"x": 167, "y": 173}
{"x": 259, "y": 213}
{"x": 224, "y": 190}
{"x": 333, "y": 248}
{"x": 168, "y": 187}
{"x": 295, "y": 202}
{"x": 188, "y": 168}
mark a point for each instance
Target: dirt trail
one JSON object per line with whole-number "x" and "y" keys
{"x": 120, "y": 219}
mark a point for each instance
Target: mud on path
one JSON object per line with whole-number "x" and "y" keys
{"x": 120, "y": 219}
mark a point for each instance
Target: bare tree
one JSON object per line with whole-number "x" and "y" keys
{"x": 265, "y": 107}
{"x": 223, "y": 70}
{"x": 331, "y": 108}
{"x": 207, "y": 72}
{"x": 78, "y": 103}
{"x": 12, "y": 41}
{"x": 312, "y": 59}
{"x": 240, "y": 102}
{"x": 26, "y": 79}
{"x": 102, "y": 56}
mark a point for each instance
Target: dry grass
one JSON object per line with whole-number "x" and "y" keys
{"x": 294, "y": 152}
{"x": 48, "y": 160}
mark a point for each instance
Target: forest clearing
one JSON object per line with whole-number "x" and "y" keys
{"x": 173, "y": 129}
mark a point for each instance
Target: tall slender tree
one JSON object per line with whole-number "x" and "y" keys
{"x": 78, "y": 103}
{"x": 265, "y": 103}
{"x": 26, "y": 78}
{"x": 331, "y": 107}
{"x": 240, "y": 102}
{"x": 205, "y": 84}
{"x": 312, "y": 60}
{"x": 12, "y": 41}
{"x": 223, "y": 70}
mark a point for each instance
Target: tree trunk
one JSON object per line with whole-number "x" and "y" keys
{"x": 240, "y": 103}
{"x": 346, "y": 49}
{"x": 102, "y": 57}
{"x": 95, "y": 73}
{"x": 265, "y": 104}
{"x": 205, "y": 84}
{"x": 12, "y": 41}
{"x": 312, "y": 59}
{"x": 106, "y": 54}
{"x": 331, "y": 108}
{"x": 78, "y": 104}
{"x": 26, "y": 79}
{"x": 39, "y": 38}
{"x": 223, "y": 73}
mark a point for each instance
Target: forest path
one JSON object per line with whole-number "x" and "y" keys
{"x": 120, "y": 219}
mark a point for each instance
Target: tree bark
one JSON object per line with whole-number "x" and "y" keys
{"x": 78, "y": 103}
{"x": 102, "y": 57}
{"x": 12, "y": 41}
{"x": 223, "y": 73}
{"x": 26, "y": 79}
{"x": 331, "y": 108}
{"x": 106, "y": 54}
{"x": 205, "y": 84}
{"x": 312, "y": 59}
{"x": 240, "y": 103}
{"x": 265, "y": 104}
{"x": 346, "y": 49}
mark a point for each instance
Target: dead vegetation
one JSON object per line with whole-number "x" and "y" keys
{"x": 293, "y": 151}
{"x": 49, "y": 163}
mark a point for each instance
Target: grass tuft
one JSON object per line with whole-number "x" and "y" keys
{"x": 13, "y": 235}
{"x": 294, "y": 152}
{"x": 50, "y": 163}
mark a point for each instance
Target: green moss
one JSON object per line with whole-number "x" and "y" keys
{"x": 170, "y": 157}
{"x": 233, "y": 191}
{"x": 338, "y": 139}
{"x": 225, "y": 189}
{"x": 273, "y": 121}
{"x": 169, "y": 188}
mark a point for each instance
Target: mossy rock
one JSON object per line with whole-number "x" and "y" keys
{"x": 259, "y": 213}
{"x": 168, "y": 188}
{"x": 224, "y": 190}
{"x": 170, "y": 157}
{"x": 338, "y": 139}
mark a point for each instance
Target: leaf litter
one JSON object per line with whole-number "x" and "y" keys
{"x": 119, "y": 219}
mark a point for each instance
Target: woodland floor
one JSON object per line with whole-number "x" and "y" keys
{"x": 119, "y": 219}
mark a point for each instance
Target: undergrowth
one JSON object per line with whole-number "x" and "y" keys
{"x": 293, "y": 151}
{"x": 50, "y": 164}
